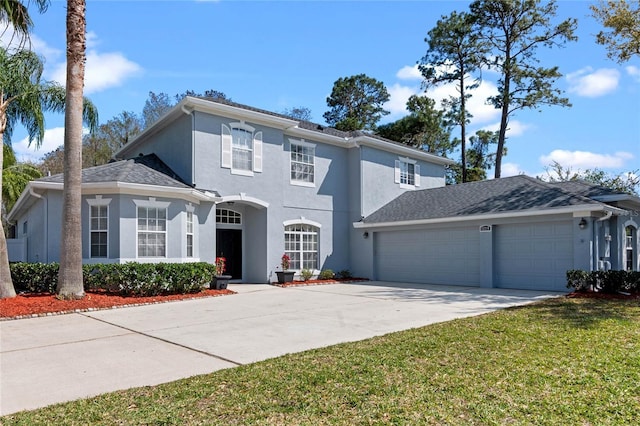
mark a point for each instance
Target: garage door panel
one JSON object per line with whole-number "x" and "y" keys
{"x": 533, "y": 256}
{"x": 441, "y": 256}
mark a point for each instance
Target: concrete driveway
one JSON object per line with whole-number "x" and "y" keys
{"x": 61, "y": 358}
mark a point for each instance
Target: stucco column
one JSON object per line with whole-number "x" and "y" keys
{"x": 486, "y": 255}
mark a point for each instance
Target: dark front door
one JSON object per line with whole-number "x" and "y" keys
{"x": 229, "y": 246}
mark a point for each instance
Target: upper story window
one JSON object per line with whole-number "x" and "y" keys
{"x": 99, "y": 226}
{"x": 241, "y": 149}
{"x": 228, "y": 216}
{"x": 407, "y": 173}
{"x": 152, "y": 228}
{"x": 302, "y": 163}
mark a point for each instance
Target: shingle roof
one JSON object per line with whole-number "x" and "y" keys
{"x": 584, "y": 188}
{"x": 517, "y": 193}
{"x": 147, "y": 170}
{"x": 308, "y": 125}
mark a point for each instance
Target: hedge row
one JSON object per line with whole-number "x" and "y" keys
{"x": 605, "y": 281}
{"x": 129, "y": 279}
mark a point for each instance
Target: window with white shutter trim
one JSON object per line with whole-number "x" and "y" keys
{"x": 241, "y": 149}
{"x": 257, "y": 152}
{"x": 227, "y": 140}
{"x": 407, "y": 173}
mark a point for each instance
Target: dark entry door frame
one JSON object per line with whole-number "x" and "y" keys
{"x": 229, "y": 246}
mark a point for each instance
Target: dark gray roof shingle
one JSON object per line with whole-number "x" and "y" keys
{"x": 517, "y": 193}
{"x": 147, "y": 170}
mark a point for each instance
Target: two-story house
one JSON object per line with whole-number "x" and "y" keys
{"x": 221, "y": 179}
{"x": 215, "y": 178}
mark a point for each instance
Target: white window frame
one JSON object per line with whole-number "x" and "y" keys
{"x": 301, "y": 250}
{"x": 630, "y": 248}
{"x": 98, "y": 202}
{"x": 151, "y": 203}
{"x": 227, "y": 148}
{"x": 402, "y": 178}
{"x": 189, "y": 231}
{"x": 292, "y": 162}
{"x": 228, "y": 216}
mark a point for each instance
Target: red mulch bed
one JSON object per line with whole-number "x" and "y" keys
{"x": 320, "y": 282}
{"x": 601, "y": 295}
{"x": 34, "y": 305}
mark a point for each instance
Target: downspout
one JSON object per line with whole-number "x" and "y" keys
{"x": 193, "y": 129}
{"x": 46, "y": 222}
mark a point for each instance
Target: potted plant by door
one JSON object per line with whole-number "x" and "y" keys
{"x": 285, "y": 276}
{"x": 220, "y": 281}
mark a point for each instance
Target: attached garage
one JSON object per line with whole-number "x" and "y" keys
{"x": 516, "y": 232}
{"x": 533, "y": 256}
{"x": 439, "y": 256}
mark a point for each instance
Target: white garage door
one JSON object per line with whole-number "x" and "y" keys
{"x": 533, "y": 256}
{"x": 443, "y": 256}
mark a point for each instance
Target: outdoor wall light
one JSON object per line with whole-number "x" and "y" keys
{"x": 582, "y": 224}
{"x": 365, "y": 235}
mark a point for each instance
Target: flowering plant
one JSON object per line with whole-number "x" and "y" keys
{"x": 220, "y": 265}
{"x": 285, "y": 261}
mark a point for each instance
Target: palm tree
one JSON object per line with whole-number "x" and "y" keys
{"x": 16, "y": 15}
{"x": 70, "y": 276}
{"x": 15, "y": 177}
{"x": 23, "y": 98}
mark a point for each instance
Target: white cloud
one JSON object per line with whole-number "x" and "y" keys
{"x": 585, "y": 159}
{"x": 511, "y": 169}
{"x": 409, "y": 73}
{"x": 515, "y": 128}
{"x": 53, "y": 138}
{"x": 633, "y": 71}
{"x": 103, "y": 71}
{"x": 398, "y": 97}
{"x": 592, "y": 84}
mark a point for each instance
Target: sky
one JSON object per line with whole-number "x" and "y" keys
{"x": 277, "y": 55}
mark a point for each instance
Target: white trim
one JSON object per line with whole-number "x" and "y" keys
{"x": 301, "y": 221}
{"x": 488, "y": 216}
{"x": 400, "y": 149}
{"x": 242, "y": 197}
{"x": 304, "y": 144}
{"x": 98, "y": 201}
{"x": 152, "y": 203}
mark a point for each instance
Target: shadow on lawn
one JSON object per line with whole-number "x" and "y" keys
{"x": 585, "y": 313}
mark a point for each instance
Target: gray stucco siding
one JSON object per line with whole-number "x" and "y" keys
{"x": 378, "y": 178}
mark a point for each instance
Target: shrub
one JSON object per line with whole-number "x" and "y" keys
{"x": 129, "y": 279}
{"x": 326, "y": 274}
{"x": 604, "y": 281}
{"x": 345, "y": 274}
{"x": 35, "y": 277}
{"x": 306, "y": 274}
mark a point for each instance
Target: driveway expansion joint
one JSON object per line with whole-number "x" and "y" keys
{"x": 150, "y": 336}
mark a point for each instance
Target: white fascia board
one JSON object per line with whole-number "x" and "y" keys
{"x": 190, "y": 194}
{"x": 320, "y": 137}
{"x": 617, "y": 197}
{"x": 582, "y": 210}
{"x": 238, "y": 113}
{"x": 401, "y": 150}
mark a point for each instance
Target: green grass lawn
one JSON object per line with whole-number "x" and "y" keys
{"x": 562, "y": 361}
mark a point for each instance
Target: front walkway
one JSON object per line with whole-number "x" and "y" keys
{"x": 60, "y": 358}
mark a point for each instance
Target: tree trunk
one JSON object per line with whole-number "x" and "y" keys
{"x": 463, "y": 127}
{"x": 70, "y": 284}
{"x": 6, "y": 284}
